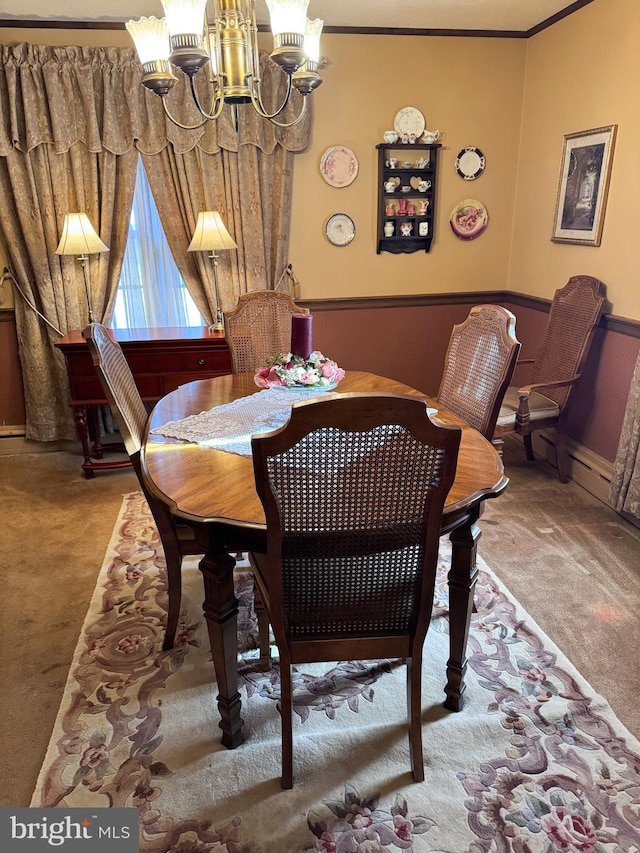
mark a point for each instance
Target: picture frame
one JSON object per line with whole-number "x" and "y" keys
{"x": 583, "y": 186}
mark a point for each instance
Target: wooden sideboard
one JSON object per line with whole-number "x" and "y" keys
{"x": 160, "y": 360}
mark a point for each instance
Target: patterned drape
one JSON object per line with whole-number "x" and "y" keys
{"x": 71, "y": 122}
{"x": 625, "y": 486}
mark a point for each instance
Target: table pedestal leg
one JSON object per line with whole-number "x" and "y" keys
{"x": 221, "y": 612}
{"x": 462, "y": 581}
{"x": 80, "y": 417}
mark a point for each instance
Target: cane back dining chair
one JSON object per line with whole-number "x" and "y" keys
{"x": 478, "y": 366}
{"x": 130, "y": 414}
{"x": 544, "y": 403}
{"x": 353, "y": 489}
{"x": 259, "y": 327}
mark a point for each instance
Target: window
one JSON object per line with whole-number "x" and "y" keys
{"x": 151, "y": 292}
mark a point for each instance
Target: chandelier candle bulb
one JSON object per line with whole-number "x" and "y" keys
{"x": 302, "y": 335}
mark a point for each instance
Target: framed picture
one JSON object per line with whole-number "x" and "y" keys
{"x": 583, "y": 186}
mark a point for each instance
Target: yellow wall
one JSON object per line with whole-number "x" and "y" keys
{"x": 470, "y": 89}
{"x": 581, "y": 73}
{"x": 512, "y": 98}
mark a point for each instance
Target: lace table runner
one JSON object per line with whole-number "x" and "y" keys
{"x": 230, "y": 427}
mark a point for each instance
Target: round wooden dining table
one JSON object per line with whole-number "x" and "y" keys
{"x": 213, "y": 491}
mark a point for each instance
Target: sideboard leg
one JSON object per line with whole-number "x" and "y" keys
{"x": 80, "y": 417}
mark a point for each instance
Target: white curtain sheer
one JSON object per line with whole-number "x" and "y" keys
{"x": 151, "y": 292}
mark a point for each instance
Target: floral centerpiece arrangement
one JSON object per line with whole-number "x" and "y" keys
{"x": 294, "y": 371}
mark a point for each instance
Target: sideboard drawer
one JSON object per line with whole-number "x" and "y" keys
{"x": 160, "y": 360}
{"x": 178, "y": 359}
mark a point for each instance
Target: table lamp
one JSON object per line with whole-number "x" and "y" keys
{"x": 79, "y": 238}
{"x": 211, "y": 234}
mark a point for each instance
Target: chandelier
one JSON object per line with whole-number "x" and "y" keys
{"x": 227, "y": 47}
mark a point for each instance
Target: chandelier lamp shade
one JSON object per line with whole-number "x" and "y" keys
{"x": 211, "y": 235}
{"x": 79, "y": 238}
{"x": 226, "y": 47}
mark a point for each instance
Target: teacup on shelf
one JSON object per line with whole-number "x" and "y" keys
{"x": 423, "y": 186}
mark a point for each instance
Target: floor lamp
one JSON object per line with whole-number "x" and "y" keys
{"x": 79, "y": 238}
{"x": 211, "y": 235}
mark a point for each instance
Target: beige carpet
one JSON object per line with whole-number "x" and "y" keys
{"x": 535, "y": 753}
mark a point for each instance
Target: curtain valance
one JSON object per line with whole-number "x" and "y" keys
{"x": 62, "y": 95}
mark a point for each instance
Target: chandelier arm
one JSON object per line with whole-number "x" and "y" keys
{"x": 179, "y": 123}
{"x": 295, "y": 120}
{"x": 218, "y": 101}
{"x": 256, "y": 100}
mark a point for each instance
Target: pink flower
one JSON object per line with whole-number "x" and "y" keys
{"x": 403, "y": 827}
{"x": 93, "y": 756}
{"x": 359, "y": 817}
{"x": 307, "y": 377}
{"x": 326, "y": 843}
{"x": 534, "y": 675}
{"x": 569, "y": 833}
{"x": 131, "y": 644}
{"x": 266, "y": 377}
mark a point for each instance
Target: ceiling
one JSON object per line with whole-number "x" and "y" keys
{"x": 517, "y": 16}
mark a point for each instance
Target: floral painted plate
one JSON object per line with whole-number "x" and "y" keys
{"x": 339, "y": 166}
{"x": 468, "y": 219}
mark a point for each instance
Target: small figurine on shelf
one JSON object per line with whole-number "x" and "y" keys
{"x": 406, "y": 228}
{"x": 390, "y": 209}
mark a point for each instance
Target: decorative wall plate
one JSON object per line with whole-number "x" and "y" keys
{"x": 340, "y": 229}
{"x": 409, "y": 120}
{"x": 470, "y": 163}
{"x": 468, "y": 219}
{"x": 339, "y": 166}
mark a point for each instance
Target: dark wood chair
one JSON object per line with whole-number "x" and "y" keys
{"x": 353, "y": 489}
{"x": 478, "y": 366}
{"x": 544, "y": 403}
{"x": 131, "y": 415}
{"x": 259, "y": 327}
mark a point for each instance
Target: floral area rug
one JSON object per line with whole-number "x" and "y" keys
{"x": 536, "y": 762}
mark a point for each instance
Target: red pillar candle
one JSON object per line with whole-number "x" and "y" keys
{"x": 302, "y": 335}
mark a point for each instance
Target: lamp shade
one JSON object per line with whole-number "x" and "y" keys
{"x": 312, "y": 39}
{"x": 288, "y": 16}
{"x": 79, "y": 237}
{"x": 151, "y": 38}
{"x": 210, "y": 233}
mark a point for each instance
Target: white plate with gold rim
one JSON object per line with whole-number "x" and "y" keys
{"x": 409, "y": 120}
{"x": 340, "y": 229}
